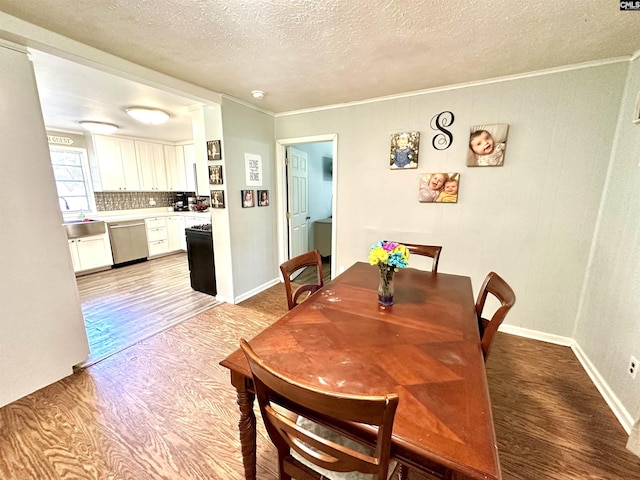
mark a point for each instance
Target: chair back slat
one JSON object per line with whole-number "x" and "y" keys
{"x": 495, "y": 285}
{"x": 296, "y": 295}
{"x": 432, "y": 251}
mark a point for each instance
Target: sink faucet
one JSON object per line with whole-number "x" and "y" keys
{"x": 66, "y": 204}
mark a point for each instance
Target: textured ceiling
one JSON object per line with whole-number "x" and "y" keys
{"x": 310, "y": 53}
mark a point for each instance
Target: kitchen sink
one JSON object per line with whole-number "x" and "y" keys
{"x": 84, "y": 228}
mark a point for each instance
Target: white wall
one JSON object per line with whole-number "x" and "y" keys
{"x": 608, "y": 329}
{"x": 253, "y": 233}
{"x": 532, "y": 220}
{"x": 42, "y": 333}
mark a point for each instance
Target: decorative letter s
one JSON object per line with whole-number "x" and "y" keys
{"x": 443, "y": 140}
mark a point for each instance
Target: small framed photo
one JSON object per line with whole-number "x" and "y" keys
{"x": 217, "y": 198}
{"x": 253, "y": 169}
{"x": 214, "y": 151}
{"x": 247, "y": 199}
{"x": 439, "y": 187}
{"x": 404, "y": 150}
{"x": 263, "y": 198}
{"x": 215, "y": 175}
{"x": 487, "y": 144}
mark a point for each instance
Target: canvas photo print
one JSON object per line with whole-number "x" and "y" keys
{"x": 213, "y": 150}
{"x": 263, "y": 198}
{"x": 247, "y": 199}
{"x": 217, "y": 198}
{"x": 404, "y": 150}
{"x": 487, "y": 144}
{"x": 215, "y": 174}
{"x": 439, "y": 187}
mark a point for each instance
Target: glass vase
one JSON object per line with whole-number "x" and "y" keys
{"x": 385, "y": 288}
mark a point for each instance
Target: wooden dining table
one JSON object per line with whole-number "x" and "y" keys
{"x": 425, "y": 347}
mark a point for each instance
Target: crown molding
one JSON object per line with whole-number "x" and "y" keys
{"x": 458, "y": 86}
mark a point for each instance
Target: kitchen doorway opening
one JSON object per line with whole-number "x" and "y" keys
{"x": 307, "y": 196}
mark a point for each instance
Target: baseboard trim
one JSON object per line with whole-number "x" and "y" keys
{"x": 536, "y": 335}
{"x": 621, "y": 413}
{"x": 255, "y": 291}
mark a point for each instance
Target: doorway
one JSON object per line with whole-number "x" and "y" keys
{"x": 318, "y": 199}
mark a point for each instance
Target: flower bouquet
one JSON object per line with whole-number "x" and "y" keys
{"x": 389, "y": 256}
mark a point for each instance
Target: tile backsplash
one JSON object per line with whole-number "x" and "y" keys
{"x": 109, "y": 201}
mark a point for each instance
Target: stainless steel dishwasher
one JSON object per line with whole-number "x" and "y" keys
{"x": 128, "y": 241}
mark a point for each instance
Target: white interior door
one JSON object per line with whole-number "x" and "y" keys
{"x": 298, "y": 198}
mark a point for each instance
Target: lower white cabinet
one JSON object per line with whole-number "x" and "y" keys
{"x": 90, "y": 252}
{"x": 157, "y": 235}
{"x": 175, "y": 233}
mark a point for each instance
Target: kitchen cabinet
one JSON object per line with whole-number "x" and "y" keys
{"x": 116, "y": 163}
{"x": 175, "y": 233}
{"x": 153, "y": 173}
{"x": 75, "y": 258}
{"x": 88, "y": 253}
{"x": 157, "y": 235}
{"x": 176, "y": 168}
{"x": 189, "y": 153}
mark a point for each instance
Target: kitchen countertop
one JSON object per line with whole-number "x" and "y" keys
{"x": 121, "y": 215}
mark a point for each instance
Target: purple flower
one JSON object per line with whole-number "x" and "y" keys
{"x": 388, "y": 246}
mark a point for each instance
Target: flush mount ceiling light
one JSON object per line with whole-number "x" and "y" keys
{"x": 257, "y": 94}
{"x": 150, "y": 116}
{"x": 102, "y": 128}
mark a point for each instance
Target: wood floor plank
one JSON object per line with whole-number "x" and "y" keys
{"x": 164, "y": 409}
{"x": 123, "y": 306}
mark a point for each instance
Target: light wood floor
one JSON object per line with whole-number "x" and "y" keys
{"x": 125, "y": 305}
{"x": 164, "y": 409}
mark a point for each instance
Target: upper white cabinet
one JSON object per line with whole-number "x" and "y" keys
{"x": 189, "y": 153}
{"x": 176, "y": 168}
{"x": 153, "y": 173}
{"x": 123, "y": 164}
{"x": 117, "y": 164}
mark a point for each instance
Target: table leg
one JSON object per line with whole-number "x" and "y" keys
{"x": 247, "y": 427}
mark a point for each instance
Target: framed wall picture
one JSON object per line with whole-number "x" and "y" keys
{"x": 404, "y": 150}
{"x": 439, "y": 187}
{"x": 214, "y": 151}
{"x": 487, "y": 145}
{"x": 248, "y": 199}
{"x": 253, "y": 169}
{"x": 217, "y": 198}
{"x": 215, "y": 174}
{"x": 263, "y": 198}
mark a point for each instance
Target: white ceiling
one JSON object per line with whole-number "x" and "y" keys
{"x": 310, "y": 53}
{"x": 70, "y": 92}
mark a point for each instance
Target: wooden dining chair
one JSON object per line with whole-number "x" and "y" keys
{"x": 495, "y": 285}
{"x": 432, "y": 251}
{"x": 309, "y": 451}
{"x": 296, "y": 295}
